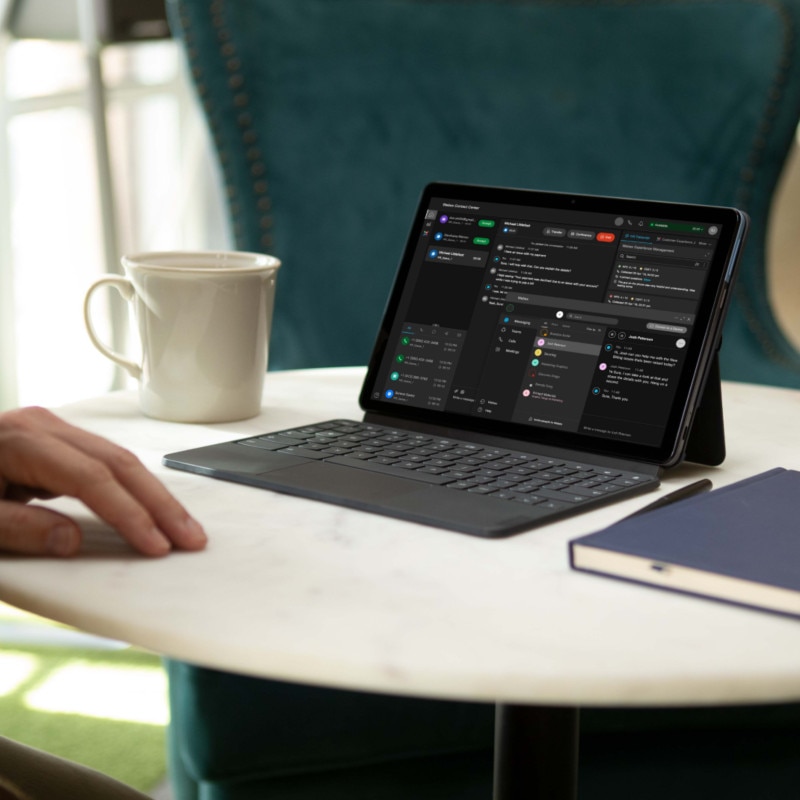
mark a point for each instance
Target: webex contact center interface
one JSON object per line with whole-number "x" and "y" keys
{"x": 554, "y": 318}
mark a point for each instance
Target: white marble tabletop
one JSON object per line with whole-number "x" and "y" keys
{"x": 301, "y": 590}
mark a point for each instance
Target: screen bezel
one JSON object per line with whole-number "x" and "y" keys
{"x": 703, "y": 345}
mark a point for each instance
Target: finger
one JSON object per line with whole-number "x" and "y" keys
{"x": 169, "y": 516}
{"x": 58, "y": 467}
{"x": 32, "y": 530}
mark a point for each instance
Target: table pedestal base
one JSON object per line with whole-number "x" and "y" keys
{"x": 536, "y": 753}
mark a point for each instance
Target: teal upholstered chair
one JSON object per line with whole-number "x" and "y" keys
{"x": 328, "y": 117}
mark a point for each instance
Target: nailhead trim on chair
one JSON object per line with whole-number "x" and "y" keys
{"x": 244, "y": 120}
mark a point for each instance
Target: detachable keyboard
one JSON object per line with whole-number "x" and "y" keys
{"x": 462, "y": 466}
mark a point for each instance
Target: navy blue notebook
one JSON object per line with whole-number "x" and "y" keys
{"x": 740, "y": 543}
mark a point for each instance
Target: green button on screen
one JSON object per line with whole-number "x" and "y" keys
{"x": 486, "y": 223}
{"x": 680, "y": 227}
{"x": 480, "y": 240}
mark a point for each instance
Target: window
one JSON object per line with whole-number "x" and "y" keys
{"x": 165, "y": 188}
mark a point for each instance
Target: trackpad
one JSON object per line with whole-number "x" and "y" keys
{"x": 332, "y": 482}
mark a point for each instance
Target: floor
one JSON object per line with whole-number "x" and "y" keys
{"x": 14, "y": 630}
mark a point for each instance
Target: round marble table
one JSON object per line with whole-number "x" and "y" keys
{"x": 302, "y": 590}
{"x": 305, "y": 591}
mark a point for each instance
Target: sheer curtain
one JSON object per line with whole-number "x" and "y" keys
{"x": 165, "y": 186}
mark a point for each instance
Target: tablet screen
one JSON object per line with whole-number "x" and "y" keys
{"x": 581, "y": 322}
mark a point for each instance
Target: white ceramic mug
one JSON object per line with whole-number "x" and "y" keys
{"x": 204, "y": 321}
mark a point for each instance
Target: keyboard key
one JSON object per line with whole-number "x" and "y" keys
{"x": 461, "y": 484}
{"x": 529, "y": 499}
{"x": 564, "y": 497}
{"x": 303, "y": 452}
{"x": 268, "y": 442}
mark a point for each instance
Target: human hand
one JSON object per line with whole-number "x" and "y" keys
{"x": 41, "y": 456}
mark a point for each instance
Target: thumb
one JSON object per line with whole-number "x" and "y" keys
{"x": 32, "y": 530}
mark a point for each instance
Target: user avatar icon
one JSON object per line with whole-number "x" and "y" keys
{"x": 443, "y": 219}
{"x": 433, "y": 253}
{"x": 389, "y": 394}
{"x": 438, "y": 236}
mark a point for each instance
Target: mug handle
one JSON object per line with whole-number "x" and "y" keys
{"x": 125, "y": 288}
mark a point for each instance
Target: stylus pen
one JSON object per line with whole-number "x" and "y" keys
{"x": 690, "y": 490}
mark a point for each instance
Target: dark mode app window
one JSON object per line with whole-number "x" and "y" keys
{"x": 578, "y": 321}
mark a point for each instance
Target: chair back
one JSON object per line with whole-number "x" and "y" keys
{"x": 330, "y": 115}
